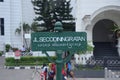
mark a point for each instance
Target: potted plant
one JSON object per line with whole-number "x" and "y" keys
{"x": 116, "y": 30}
{"x": 7, "y": 47}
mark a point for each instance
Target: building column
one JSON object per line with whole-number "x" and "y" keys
{"x": 118, "y": 46}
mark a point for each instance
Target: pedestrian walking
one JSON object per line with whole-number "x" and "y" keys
{"x": 44, "y": 71}
{"x": 52, "y": 71}
{"x": 69, "y": 70}
{"x": 64, "y": 74}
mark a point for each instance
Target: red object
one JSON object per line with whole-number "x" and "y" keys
{"x": 17, "y": 53}
{"x": 45, "y": 74}
{"x": 64, "y": 72}
{"x": 53, "y": 67}
{"x": 42, "y": 76}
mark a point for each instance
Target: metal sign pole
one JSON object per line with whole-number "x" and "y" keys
{"x": 59, "y": 63}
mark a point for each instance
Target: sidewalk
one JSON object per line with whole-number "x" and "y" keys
{"x": 88, "y": 79}
{"x": 2, "y": 61}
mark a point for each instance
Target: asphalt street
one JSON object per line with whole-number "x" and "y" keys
{"x": 25, "y": 74}
{"x": 12, "y": 74}
{"x": 2, "y": 61}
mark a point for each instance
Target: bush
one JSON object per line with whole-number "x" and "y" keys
{"x": 24, "y": 61}
{"x": 1, "y": 53}
{"x": 7, "y": 47}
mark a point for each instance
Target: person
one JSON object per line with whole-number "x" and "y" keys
{"x": 44, "y": 70}
{"x": 31, "y": 53}
{"x": 52, "y": 71}
{"x": 23, "y": 49}
{"x": 64, "y": 74}
{"x": 69, "y": 70}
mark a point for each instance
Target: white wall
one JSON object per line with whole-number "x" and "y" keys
{"x": 5, "y": 13}
{"x": 88, "y": 7}
{"x": 11, "y": 11}
{"x": 15, "y": 12}
{"x": 16, "y": 19}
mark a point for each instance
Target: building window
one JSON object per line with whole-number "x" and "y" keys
{"x": 1, "y": 26}
{"x": 1, "y": 0}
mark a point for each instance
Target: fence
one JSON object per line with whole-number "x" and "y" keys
{"x": 12, "y": 54}
{"x": 112, "y": 74}
{"x": 107, "y": 61}
{"x": 82, "y": 58}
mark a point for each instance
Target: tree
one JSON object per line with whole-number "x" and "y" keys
{"x": 66, "y": 16}
{"x": 42, "y": 11}
{"x": 49, "y": 11}
{"x": 26, "y": 29}
{"x": 35, "y": 28}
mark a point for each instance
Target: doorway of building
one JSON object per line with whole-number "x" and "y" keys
{"x": 103, "y": 41}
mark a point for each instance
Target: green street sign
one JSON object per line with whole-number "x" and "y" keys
{"x": 53, "y": 41}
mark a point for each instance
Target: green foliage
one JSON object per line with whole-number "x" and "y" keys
{"x": 81, "y": 52}
{"x": 9, "y": 61}
{"x": 69, "y": 26}
{"x": 115, "y": 27}
{"x": 18, "y": 31}
{"x": 34, "y": 27}
{"x": 24, "y": 61}
{"x": 1, "y": 53}
{"x": 49, "y": 11}
{"x": 89, "y": 49}
{"x": 26, "y": 28}
{"x": 116, "y": 31}
{"x": 7, "y": 47}
{"x": 42, "y": 9}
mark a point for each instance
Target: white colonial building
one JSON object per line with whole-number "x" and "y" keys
{"x": 12, "y": 14}
{"x": 96, "y": 17}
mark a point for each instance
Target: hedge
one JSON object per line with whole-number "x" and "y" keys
{"x": 25, "y": 61}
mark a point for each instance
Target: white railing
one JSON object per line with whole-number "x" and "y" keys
{"x": 35, "y": 53}
{"x": 112, "y": 75}
{"x": 82, "y": 58}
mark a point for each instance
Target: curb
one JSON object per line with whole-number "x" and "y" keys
{"x": 22, "y": 67}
